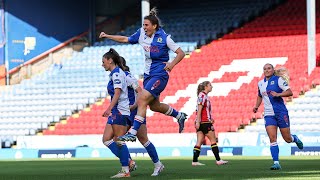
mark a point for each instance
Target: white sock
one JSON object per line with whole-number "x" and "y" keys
{"x": 133, "y": 131}
{"x": 157, "y": 164}
{"x": 276, "y": 162}
{"x": 125, "y": 168}
{"x": 169, "y": 111}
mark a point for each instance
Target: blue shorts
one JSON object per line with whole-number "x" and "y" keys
{"x": 279, "y": 120}
{"x": 155, "y": 84}
{"x": 118, "y": 119}
{"x": 131, "y": 117}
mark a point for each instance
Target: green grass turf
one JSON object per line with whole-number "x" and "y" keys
{"x": 175, "y": 168}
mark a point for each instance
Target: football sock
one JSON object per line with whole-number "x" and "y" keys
{"x": 215, "y": 151}
{"x": 274, "y": 148}
{"x": 294, "y": 138}
{"x": 138, "y": 120}
{"x": 151, "y": 151}
{"x": 172, "y": 112}
{"x": 196, "y": 153}
{"x": 124, "y": 154}
{"x": 113, "y": 147}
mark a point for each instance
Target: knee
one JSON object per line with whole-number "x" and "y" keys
{"x": 288, "y": 139}
{"x": 142, "y": 102}
{"x": 273, "y": 139}
{"x": 213, "y": 141}
{"x": 105, "y": 140}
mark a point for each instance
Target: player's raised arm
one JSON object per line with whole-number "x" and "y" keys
{"x": 117, "y": 38}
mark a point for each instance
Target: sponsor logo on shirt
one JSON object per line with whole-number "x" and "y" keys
{"x": 116, "y": 81}
{"x": 155, "y": 85}
{"x": 285, "y": 83}
{"x": 286, "y": 119}
{"x": 151, "y": 49}
{"x": 266, "y": 93}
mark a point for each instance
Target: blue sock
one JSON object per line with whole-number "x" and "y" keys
{"x": 124, "y": 154}
{"x": 151, "y": 151}
{"x": 113, "y": 147}
{"x": 294, "y": 138}
{"x": 274, "y": 148}
{"x": 138, "y": 120}
{"x": 172, "y": 112}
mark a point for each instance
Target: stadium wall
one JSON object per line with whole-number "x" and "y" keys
{"x": 33, "y": 27}
{"x": 168, "y": 145}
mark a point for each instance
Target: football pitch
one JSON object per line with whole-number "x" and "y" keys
{"x": 239, "y": 167}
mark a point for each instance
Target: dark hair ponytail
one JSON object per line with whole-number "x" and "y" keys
{"x": 113, "y": 54}
{"x": 124, "y": 66}
{"x": 153, "y": 18}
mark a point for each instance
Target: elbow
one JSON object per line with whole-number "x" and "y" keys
{"x": 125, "y": 39}
{"x": 183, "y": 54}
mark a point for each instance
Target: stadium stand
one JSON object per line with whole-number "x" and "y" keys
{"x": 234, "y": 110}
{"x": 62, "y": 90}
{"x": 203, "y": 21}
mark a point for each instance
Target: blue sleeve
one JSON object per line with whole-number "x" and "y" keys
{"x": 134, "y": 38}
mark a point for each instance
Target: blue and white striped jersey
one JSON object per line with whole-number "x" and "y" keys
{"x": 156, "y": 49}
{"x": 117, "y": 79}
{"x": 132, "y": 83}
{"x": 273, "y": 105}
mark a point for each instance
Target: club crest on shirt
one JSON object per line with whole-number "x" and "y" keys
{"x": 272, "y": 83}
{"x": 159, "y": 40}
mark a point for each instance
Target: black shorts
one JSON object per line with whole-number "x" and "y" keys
{"x": 205, "y": 128}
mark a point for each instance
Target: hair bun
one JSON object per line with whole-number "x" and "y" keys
{"x": 153, "y": 12}
{"x": 113, "y": 51}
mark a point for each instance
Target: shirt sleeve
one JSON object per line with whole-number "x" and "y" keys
{"x": 117, "y": 81}
{"x": 132, "y": 81}
{"x": 283, "y": 84}
{"x": 134, "y": 38}
{"x": 171, "y": 44}
{"x": 201, "y": 99}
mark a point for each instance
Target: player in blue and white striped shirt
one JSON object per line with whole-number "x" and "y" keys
{"x": 271, "y": 90}
{"x": 118, "y": 111}
{"x": 156, "y": 44}
{"x": 133, "y": 90}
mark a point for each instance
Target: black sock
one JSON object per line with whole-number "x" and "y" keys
{"x": 215, "y": 151}
{"x": 196, "y": 153}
